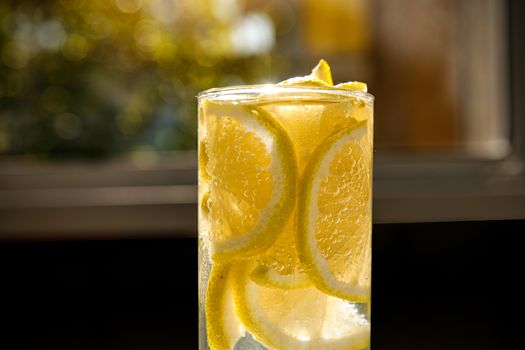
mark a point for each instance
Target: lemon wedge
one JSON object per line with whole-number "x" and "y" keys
{"x": 334, "y": 206}
{"x": 251, "y": 163}
{"x": 298, "y": 319}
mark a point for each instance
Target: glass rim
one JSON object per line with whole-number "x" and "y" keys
{"x": 275, "y": 88}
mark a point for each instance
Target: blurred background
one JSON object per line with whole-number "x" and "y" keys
{"x": 98, "y": 163}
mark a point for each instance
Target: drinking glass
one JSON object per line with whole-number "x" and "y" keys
{"x": 285, "y": 192}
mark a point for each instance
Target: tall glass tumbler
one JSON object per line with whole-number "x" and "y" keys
{"x": 285, "y": 193}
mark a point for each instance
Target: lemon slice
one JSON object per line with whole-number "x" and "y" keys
{"x": 298, "y": 319}
{"x": 321, "y": 76}
{"x": 222, "y": 325}
{"x": 334, "y": 208}
{"x": 250, "y": 161}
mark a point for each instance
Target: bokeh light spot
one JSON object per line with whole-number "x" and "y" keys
{"x": 50, "y": 35}
{"x": 165, "y": 11}
{"x": 253, "y": 34}
{"x": 147, "y": 35}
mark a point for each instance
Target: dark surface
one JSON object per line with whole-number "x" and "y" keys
{"x": 436, "y": 286}
{"x": 136, "y": 294}
{"x": 448, "y": 286}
